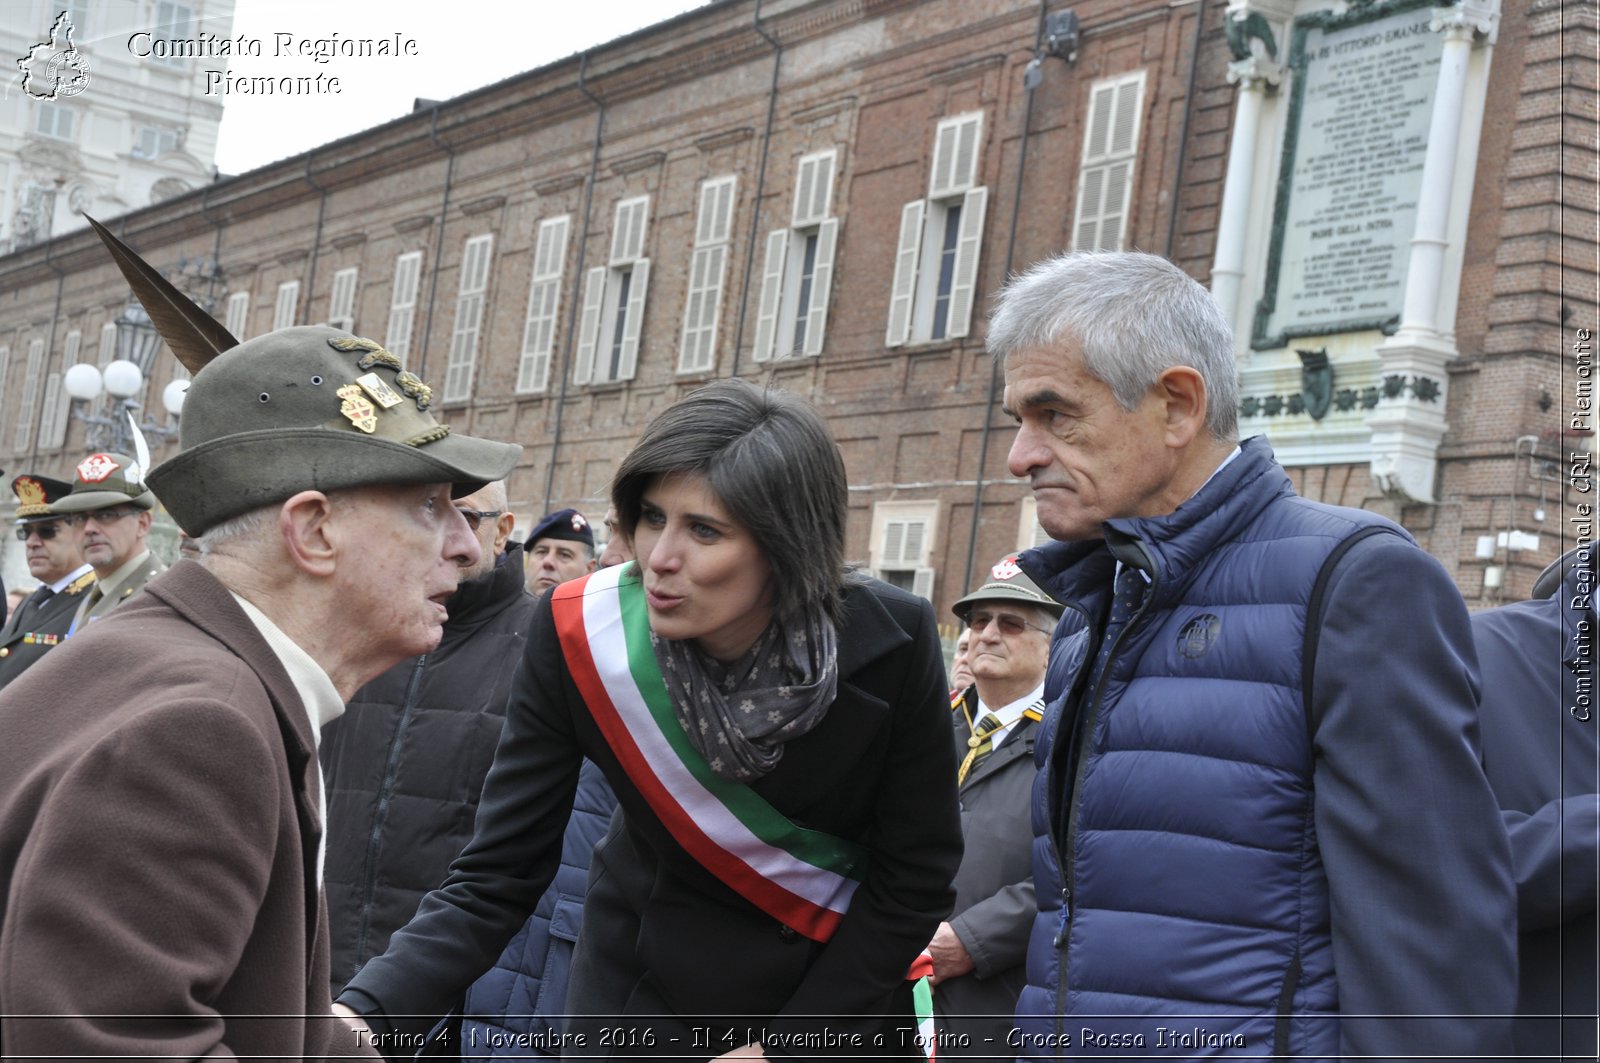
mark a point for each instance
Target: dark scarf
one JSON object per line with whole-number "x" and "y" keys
{"x": 739, "y": 714}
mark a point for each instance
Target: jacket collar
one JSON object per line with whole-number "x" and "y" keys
{"x": 1168, "y": 548}
{"x": 480, "y": 599}
{"x": 873, "y": 632}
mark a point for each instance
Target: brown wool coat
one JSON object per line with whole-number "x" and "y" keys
{"x": 158, "y": 843}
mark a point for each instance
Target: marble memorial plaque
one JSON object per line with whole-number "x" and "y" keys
{"x": 1351, "y": 172}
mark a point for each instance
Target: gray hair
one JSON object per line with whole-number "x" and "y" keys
{"x": 1133, "y": 315}
{"x": 248, "y": 528}
{"x": 771, "y": 461}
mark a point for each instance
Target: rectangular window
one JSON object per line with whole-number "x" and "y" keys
{"x": 544, "y": 302}
{"x": 612, "y": 316}
{"x": 1105, "y": 180}
{"x": 53, "y": 421}
{"x": 902, "y": 545}
{"x": 53, "y": 120}
{"x": 469, "y": 317}
{"x": 403, "y": 304}
{"x": 30, "y": 396}
{"x": 703, "y": 308}
{"x": 936, "y": 257}
{"x": 283, "y": 314}
{"x": 342, "y": 302}
{"x": 797, "y": 272}
{"x": 237, "y": 317}
{"x": 153, "y": 141}
{"x": 173, "y": 22}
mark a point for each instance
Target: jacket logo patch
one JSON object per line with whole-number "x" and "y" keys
{"x": 1199, "y": 635}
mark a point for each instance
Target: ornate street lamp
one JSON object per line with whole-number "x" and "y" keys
{"x": 120, "y": 381}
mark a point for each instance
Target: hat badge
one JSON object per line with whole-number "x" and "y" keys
{"x": 97, "y": 468}
{"x": 30, "y": 492}
{"x": 578, "y": 523}
{"x": 1006, "y": 568}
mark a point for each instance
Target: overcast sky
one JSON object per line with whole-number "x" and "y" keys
{"x": 460, "y": 47}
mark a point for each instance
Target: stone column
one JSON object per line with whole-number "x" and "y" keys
{"x": 1410, "y": 419}
{"x": 1257, "y": 72}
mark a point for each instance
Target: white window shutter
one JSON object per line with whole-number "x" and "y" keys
{"x": 715, "y": 219}
{"x": 49, "y": 437}
{"x": 633, "y": 319}
{"x": 894, "y": 538}
{"x": 813, "y": 189}
{"x": 902, "y": 293}
{"x": 74, "y": 345}
{"x": 702, "y": 308}
{"x": 342, "y": 301}
{"x": 1110, "y": 149}
{"x": 544, "y": 300}
{"x": 237, "y": 317}
{"x": 922, "y": 583}
{"x": 955, "y": 155}
{"x": 969, "y": 243}
{"x": 283, "y": 314}
{"x": 594, "y": 297}
{"x": 821, "y": 284}
{"x": 771, "y": 294}
{"x": 108, "y": 339}
{"x": 916, "y": 534}
{"x": 627, "y": 235}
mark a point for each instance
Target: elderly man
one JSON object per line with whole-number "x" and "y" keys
{"x": 110, "y": 505}
{"x": 1265, "y": 828}
{"x": 161, "y": 829}
{"x": 51, "y": 546}
{"x": 560, "y": 547}
{"x": 405, "y": 763}
{"x": 978, "y": 954}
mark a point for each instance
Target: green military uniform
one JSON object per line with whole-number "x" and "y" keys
{"x": 101, "y": 481}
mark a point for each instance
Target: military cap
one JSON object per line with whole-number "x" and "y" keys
{"x": 1008, "y": 583}
{"x": 566, "y": 524}
{"x": 301, "y": 408}
{"x": 35, "y": 497}
{"x": 106, "y": 479}
{"x": 311, "y": 408}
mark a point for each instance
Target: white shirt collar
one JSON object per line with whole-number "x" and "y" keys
{"x": 70, "y": 578}
{"x": 1008, "y": 715}
{"x": 318, "y": 696}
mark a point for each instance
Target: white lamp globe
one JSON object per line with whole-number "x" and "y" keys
{"x": 83, "y": 381}
{"x": 123, "y": 379}
{"x": 173, "y": 395}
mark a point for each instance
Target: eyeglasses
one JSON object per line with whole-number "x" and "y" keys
{"x": 46, "y": 531}
{"x": 1010, "y": 623}
{"x": 475, "y": 517}
{"x": 100, "y": 516}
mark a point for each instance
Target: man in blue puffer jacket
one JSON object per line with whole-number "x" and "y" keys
{"x": 1262, "y": 824}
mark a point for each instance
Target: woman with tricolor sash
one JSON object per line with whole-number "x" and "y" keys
{"x": 777, "y": 732}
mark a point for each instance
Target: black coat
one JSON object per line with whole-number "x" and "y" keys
{"x": 1540, "y": 753}
{"x": 879, "y": 770}
{"x": 29, "y": 634}
{"x": 404, "y": 765}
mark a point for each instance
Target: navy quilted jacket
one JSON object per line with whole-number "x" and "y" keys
{"x": 1177, "y": 770}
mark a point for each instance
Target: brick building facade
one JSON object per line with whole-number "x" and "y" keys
{"x": 825, "y": 194}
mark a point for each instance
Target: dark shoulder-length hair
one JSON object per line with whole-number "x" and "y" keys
{"x": 773, "y": 464}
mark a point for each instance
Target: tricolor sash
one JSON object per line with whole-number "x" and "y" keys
{"x": 803, "y": 878}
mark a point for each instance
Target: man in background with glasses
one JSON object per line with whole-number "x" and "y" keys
{"x": 978, "y": 955}
{"x": 404, "y": 764}
{"x": 53, "y": 557}
{"x": 109, "y": 507}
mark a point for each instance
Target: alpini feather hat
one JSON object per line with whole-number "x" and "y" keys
{"x": 303, "y": 408}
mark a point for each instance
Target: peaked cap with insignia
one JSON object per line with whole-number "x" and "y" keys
{"x": 106, "y": 479}
{"x": 36, "y": 495}
{"x": 1008, "y": 583}
{"x": 301, "y": 408}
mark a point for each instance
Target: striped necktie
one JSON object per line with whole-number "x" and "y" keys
{"x": 981, "y": 742}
